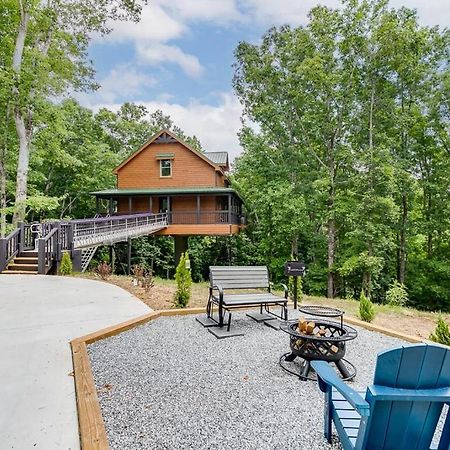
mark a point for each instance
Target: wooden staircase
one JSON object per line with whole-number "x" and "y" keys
{"x": 25, "y": 263}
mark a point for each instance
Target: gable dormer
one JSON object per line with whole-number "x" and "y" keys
{"x": 167, "y": 161}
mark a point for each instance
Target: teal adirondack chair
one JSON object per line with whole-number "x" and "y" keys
{"x": 401, "y": 408}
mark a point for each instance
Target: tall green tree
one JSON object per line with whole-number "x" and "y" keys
{"x": 48, "y": 57}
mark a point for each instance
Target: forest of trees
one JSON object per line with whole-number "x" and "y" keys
{"x": 346, "y": 147}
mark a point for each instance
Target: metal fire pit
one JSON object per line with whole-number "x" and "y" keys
{"x": 326, "y": 343}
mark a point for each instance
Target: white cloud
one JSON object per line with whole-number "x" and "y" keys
{"x": 204, "y": 10}
{"x": 156, "y": 53}
{"x": 122, "y": 82}
{"x": 431, "y": 12}
{"x": 155, "y": 25}
{"x": 215, "y": 126}
{"x": 295, "y": 12}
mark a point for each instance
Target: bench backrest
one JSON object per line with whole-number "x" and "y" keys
{"x": 239, "y": 277}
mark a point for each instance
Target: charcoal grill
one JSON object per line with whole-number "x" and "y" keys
{"x": 326, "y": 343}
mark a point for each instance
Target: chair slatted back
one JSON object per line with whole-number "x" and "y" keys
{"x": 239, "y": 277}
{"x": 411, "y": 423}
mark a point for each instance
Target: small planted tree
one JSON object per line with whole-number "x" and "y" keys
{"x": 366, "y": 308}
{"x": 441, "y": 333}
{"x": 397, "y": 294}
{"x": 66, "y": 264}
{"x": 184, "y": 281}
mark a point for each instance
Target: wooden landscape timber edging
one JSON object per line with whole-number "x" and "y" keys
{"x": 91, "y": 426}
{"x": 90, "y": 420}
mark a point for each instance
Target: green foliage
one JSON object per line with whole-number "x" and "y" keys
{"x": 366, "y": 308}
{"x": 441, "y": 333}
{"x": 184, "y": 281}
{"x": 397, "y": 294}
{"x": 299, "y": 288}
{"x": 66, "y": 264}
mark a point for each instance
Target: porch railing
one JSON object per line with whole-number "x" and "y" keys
{"x": 96, "y": 231}
{"x": 48, "y": 249}
{"x": 9, "y": 248}
{"x": 203, "y": 218}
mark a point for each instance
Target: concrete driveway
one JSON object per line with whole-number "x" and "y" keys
{"x": 39, "y": 315}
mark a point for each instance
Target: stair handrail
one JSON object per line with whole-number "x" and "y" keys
{"x": 48, "y": 249}
{"x": 9, "y": 248}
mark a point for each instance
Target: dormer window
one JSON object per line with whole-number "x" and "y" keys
{"x": 165, "y": 168}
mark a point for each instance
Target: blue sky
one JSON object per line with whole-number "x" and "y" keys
{"x": 179, "y": 58}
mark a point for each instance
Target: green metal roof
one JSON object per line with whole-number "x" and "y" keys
{"x": 220, "y": 158}
{"x": 165, "y": 191}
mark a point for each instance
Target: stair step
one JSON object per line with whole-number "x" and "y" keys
{"x": 22, "y": 267}
{"x": 29, "y": 254}
{"x": 25, "y": 260}
{"x": 18, "y": 272}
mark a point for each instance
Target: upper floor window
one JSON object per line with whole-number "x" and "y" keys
{"x": 165, "y": 167}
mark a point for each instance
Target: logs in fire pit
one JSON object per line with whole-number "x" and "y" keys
{"x": 312, "y": 339}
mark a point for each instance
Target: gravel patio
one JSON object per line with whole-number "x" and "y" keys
{"x": 170, "y": 384}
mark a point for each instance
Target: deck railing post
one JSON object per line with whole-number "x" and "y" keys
{"x": 70, "y": 236}
{"x": 41, "y": 256}
{"x": 21, "y": 225}
{"x": 57, "y": 240}
{"x": 2, "y": 254}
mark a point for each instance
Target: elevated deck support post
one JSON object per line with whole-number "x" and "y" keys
{"x": 110, "y": 207}
{"x": 150, "y": 203}
{"x": 181, "y": 246}
{"x": 130, "y": 204}
{"x": 111, "y": 258}
{"x": 229, "y": 208}
{"x": 128, "y": 256}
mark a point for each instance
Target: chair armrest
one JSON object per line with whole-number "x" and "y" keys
{"x": 327, "y": 376}
{"x": 407, "y": 395}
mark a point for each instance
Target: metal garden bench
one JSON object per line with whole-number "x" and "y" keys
{"x": 225, "y": 292}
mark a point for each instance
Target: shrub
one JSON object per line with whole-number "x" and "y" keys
{"x": 397, "y": 294}
{"x": 104, "y": 270}
{"x": 184, "y": 281}
{"x": 441, "y": 333}
{"x": 66, "y": 264}
{"x": 147, "y": 281}
{"x": 366, "y": 308}
{"x": 299, "y": 288}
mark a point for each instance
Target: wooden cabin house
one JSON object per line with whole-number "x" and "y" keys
{"x": 168, "y": 175}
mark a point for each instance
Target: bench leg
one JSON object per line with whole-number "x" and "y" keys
{"x": 220, "y": 315}
{"x": 229, "y": 320}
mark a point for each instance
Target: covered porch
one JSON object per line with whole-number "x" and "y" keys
{"x": 191, "y": 211}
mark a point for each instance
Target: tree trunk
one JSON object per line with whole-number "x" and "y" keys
{"x": 331, "y": 254}
{"x": 21, "y": 129}
{"x": 402, "y": 241}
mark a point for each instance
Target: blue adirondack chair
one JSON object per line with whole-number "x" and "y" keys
{"x": 401, "y": 408}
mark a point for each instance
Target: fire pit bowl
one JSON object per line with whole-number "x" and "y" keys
{"x": 326, "y": 342}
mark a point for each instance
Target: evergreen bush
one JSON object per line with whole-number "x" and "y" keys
{"x": 441, "y": 333}
{"x": 366, "y": 308}
{"x": 397, "y": 294}
{"x": 66, "y": 264}
{"x": 184, "y": 281}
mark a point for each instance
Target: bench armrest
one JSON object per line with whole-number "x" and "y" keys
{"x": 327, "y": 378}
{"x": 285, "y": 288}
{"x": 218, "y": 288}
